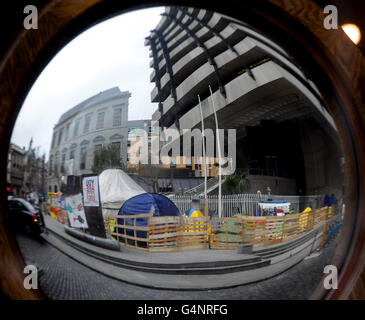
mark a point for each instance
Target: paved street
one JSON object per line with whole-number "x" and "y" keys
{"x": 64, "y": 278}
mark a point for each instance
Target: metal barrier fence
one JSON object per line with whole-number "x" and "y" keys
{"x": 246, "y": 203}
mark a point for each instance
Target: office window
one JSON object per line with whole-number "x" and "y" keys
{"x": 76, "y": 129}
{"x": 117, "y": 117}
{"x": 50, "y": 165}
{"x": 100, "y": 120}
{"x": 67, "y": 131}
{"x": 60, "y": 136}
{"x": 63, "y": 159}
{"x": 83, "y": 158}
{"x": 98, "y": 147}
{"x": 72, "y": 154}
{"x": 117, "y": 144}
{"x": 54, "y": 139}
{"x": 57, "y": 160}
{"x": 87, "y": 122}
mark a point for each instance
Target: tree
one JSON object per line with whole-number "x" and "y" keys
{"x": 149, "y": 175}
{"x": 107, "y": 157}
{"x": 236, "y": 183}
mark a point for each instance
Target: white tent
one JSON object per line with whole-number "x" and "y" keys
{"x": 116, "y": 187}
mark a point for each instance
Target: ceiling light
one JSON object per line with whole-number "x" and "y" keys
{"x": 352, "y": 31}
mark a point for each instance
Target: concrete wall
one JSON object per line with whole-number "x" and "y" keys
{"x": 278, "y": 185}
{"x": 322, "y": 159}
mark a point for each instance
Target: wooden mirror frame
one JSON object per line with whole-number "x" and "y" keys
{"x": 328, "y": 58}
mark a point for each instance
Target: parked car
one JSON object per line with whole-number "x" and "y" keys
{"x": 24, "y": 217}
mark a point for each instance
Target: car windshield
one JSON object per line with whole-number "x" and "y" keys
{"x": 28, "y": 206}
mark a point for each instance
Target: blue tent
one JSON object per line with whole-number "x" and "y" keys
{"x": 155, "y": 203}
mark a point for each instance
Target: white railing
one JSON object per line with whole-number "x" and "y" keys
{"x": 246, "y": 203}
{"x": 199, "y": 189}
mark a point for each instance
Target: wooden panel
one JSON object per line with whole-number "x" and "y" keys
{"x": 127, "y": 232}
{"x": 178, "y": 233}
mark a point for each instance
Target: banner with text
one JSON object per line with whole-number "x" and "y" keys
{"x": 90, "y": 188}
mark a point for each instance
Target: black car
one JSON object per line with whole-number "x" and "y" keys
{"x": 24, "y": 217}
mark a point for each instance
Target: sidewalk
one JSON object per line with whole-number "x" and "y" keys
{"x": 187, "y": 270}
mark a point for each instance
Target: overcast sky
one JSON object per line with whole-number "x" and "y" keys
{"x": 109, "y": 54}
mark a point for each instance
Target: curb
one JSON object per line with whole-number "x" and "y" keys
{"x": 97, "y": 241}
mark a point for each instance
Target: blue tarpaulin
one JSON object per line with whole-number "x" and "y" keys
{"x": 155, "y": 203}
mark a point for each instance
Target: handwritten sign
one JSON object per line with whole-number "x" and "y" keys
{"x": 90, "y": 188}
{"x": 76, "y": 212}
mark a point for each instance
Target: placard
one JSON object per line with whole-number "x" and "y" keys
{"x": 90, "y": 188}
{"x": 273, "y": 208}
{"x": 75, "y": 210}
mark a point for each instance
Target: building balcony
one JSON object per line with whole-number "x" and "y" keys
{"x": 195, "y": 59}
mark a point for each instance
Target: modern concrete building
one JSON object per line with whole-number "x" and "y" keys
{"x": 284, "y": 132}
{"x": 98, "y": 121}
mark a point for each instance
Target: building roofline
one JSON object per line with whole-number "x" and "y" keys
{"x": 102, "y": 96}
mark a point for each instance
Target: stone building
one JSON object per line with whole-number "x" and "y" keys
{"x": 98, "y": 121}
{"x": 284, "y": 131}
{"x": 35, "y": 171}
{"x": 27, "y": 170}
{"x": 15, "y": 168}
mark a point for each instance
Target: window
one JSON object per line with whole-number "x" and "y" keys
{"x": 50, "y": 165}
{"x": 55, "y": 189}
{"x": 72, "y": 154}
{"x": 117, "y": 144}
{"x": 77, "y": 125}
{"x": 87, "y": 122}
{"x": 60, "y": 136}
{"x": 53, "y": 139}
{"x": 63, "y": 162}
{"x": 100, "y": 120}
{"x": 98, "y": 147}
{"x": 57, "y": 160}
{"x": 67, "y": 131}
{"x": 16, "y": 205}
{"x": 117, "y": 117}
{"x": 83, "y": 158}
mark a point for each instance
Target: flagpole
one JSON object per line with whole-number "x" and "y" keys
{"x": 219, "y": 158}
{"x": 204, "y": 155}
{"x": 205, "y": 162}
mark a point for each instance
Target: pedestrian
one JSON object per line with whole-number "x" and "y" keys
{"x": 327, "y": 201}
